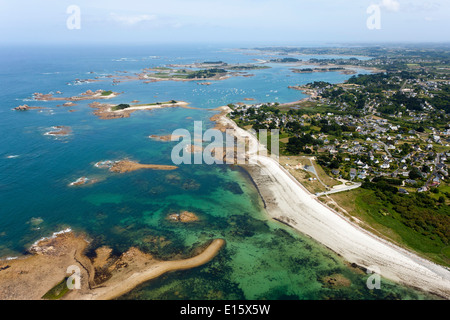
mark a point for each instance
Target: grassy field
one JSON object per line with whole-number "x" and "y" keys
{"x": 375, "y": 216}
{"x": 58, "y": 291}
{"x": 365, "y": 206}
{"x": 302, "y": 176}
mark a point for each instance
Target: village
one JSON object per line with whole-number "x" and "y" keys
{"x": 362, "y": 142}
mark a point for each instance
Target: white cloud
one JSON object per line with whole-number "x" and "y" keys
{"x": 390, "y": 5}
{"x": 422, "y": 5}
{"x": 132, "y": 19}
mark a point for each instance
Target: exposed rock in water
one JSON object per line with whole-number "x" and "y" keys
{"x": 336, "y": 281}
{"x": 124, "y": 166}
{"x": 173, "y": 179}
{"x": 60, "y": 131}
{"x": 168, "y": 137}
{"x": 184, "y": 217}
{"x": 22, "y": 107}
{"x": 26, "y": 107}
{"x": 234, "y": 187}
{"x": 191, "y": 185}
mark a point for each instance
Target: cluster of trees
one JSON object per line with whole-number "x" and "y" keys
{"x": 121, "y": 106}
{"x": 318, "y": 84}
{"x": 405, "y": 148}
{"x": 352, "y": 98}
{"x": 295, "y": 127}
{"x": 375, "y": 83}
{"x": 206, "y": 73}
{"x": 329, "y": 161}
{"x": 258, "y": 117}
{"x": 441, "y": 99}
{"x": 298, "y": 145}
{"x": 285, "y": 60}
{"x": 411, "y": 103}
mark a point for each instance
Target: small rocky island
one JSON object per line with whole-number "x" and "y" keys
{"x": 184, "y": 217}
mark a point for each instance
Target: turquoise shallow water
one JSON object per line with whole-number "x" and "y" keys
{"x": 262, "y": 260}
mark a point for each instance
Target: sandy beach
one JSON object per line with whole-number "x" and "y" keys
{"x": 153, "y": 106}
{"x": 166, "y": 138}
{"x": 289, "y": 202}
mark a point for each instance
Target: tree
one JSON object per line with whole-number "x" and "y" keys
{"x": 405, "y": 149}
{"x": 414, "y": 174}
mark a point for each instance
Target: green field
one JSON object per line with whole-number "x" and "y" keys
{"x": 58, "y": 291}
{"x": 383, "y": 219}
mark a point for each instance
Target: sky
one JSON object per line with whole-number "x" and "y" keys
{"x": 266, "y": 22}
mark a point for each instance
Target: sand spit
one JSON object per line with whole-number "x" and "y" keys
{"x": 123, "y": 166}
{"x": 104, "y": 277}
{"x": 106, "y": 112}
{"x": 341, "y": 70}
{"x": 288, "y": 201}
{"x": 134, "y": 268}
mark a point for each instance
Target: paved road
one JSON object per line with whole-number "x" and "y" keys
{"x": 340, "y": 188}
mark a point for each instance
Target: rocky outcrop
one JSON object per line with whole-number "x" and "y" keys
{"x": 184, "y": 217}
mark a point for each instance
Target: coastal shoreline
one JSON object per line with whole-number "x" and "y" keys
{"x": 48, "y": 261}
{"x": 288, "y": 202}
